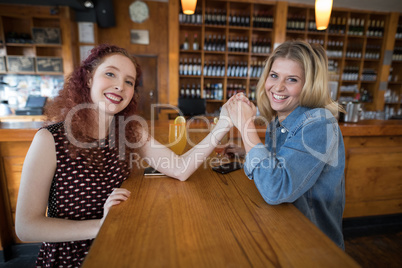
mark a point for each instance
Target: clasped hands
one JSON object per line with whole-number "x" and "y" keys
{"x": 241, "y": 112}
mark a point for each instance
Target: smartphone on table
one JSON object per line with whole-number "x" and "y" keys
{"x": 150, "y": 171}
{"x": 228, "y": 167}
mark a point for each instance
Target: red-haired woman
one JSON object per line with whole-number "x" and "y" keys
{"x": 74, "y": 168}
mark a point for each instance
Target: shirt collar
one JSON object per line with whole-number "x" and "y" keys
{"x": 291, "y": 118}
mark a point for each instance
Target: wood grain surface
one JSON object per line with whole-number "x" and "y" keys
{"x": 211, "y": 220}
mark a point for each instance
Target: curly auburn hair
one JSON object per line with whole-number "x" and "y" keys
{"x": 76, "y": 91}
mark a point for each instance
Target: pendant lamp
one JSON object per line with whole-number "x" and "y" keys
{"x": 188, "y": 6}
{"x": 322, "y": 13}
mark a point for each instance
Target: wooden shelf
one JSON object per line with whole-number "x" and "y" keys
{"x": 21, "y": 20}
{"x": 279, "y": 33}
{"x": 229, "y": 32}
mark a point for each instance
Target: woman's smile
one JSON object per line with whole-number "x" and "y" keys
{"x": 114, "y": 98}
{"x": 279, "y": 97}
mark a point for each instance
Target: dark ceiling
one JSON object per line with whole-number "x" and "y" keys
{"x": 102, "y": 12}
{"x": 74, "y": 4}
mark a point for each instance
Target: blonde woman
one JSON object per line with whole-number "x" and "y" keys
{"x": 303, "y": 158}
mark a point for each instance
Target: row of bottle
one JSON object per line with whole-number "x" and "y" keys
{"x": 263, "y": 20}
{"x": 393, "y": 77}
{"x": 399, "y": 31}
{"x": 215, "y": 17}
{"x": 356, "y": 26}
{"x": 190, "y": 66}
{"x": 238, "y": 44}
{"x": 312, "y": 27}
{"x": 296, "y": 23}
{"x": 233, "y": 89}
{"x": 186, "y": 44}
{"x": 190, "y": 92}
{"x": 237, "y": 69}
{"x": 337, "y": 25}
{"x": 333, "y": 66}
{"x": 354, "y": 50}
{"x": 391, "y": 96}
{"x": 373, "y": 52}
{"x": 214, "y": 43}
{"x": 316, "y": 41}
{"x": 375, "y": 28}
{"x": 239, "y": 19}
{"x": 214, "y": 69}
{"x": 213, "y": 91}
{"x": 350, "y": 73}
{"x": 397, "y": 55}
{"x": 195, "y": 18}
{"x": 217, "y": 69}
{"x": 261, "y": 46}
{"x": 369, "y": 75}
{"x": 335, "y": 49}
{"x": 218, "y": 17}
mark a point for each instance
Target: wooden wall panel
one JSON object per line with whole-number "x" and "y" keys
{"x": 373, "y": 180}
{"x": 158, "y": 27}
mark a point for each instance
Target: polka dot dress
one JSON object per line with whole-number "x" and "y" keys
{"x": 78, "y": 192}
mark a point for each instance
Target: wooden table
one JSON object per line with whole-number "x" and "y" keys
{"x": 211, "y": 220}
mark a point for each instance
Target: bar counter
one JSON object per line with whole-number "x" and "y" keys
{"x": 373, "y": 169}
{"x": 211, "y": 220}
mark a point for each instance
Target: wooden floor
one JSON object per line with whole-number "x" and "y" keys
{"x": 371, "y": 245}
{"x": 376, "y": 250}
{"x": 375, "y": 242}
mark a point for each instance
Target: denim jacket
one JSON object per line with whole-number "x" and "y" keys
{"x": 303, "y": 162}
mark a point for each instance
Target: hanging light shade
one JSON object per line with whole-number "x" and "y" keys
{"x": 322, "y": 13}
{"x": 188, "y": 6}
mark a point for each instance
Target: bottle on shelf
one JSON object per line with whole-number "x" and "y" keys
{"x": 262, "y": 20}
{"x": 397, "y": 55}
{"x": 196, "y": 45}
{"x": 356, "y": 26}
{"x": 213, "y": 91}
{"x": 190, "y": 66}
{"x": 398, "y": 33}
{"x": 196, "y": 18}
{"x": 188, "y": 92}
{"x": 185, "y": 67}
{"x": 376, "y": 28}
{"x": 369, "y": 75}
{"x": 251, "y": 93}
{"x": 239, "y": 19}
{"x": 372, "y": 52}
{"x": 350, "y": 73}
{"x": 198, "y": 91}
{"x": 186, "y": 45}
{"x": 312, "y": 26}
{"x": 182, "y": 92}
{"x": 296, "y": 23}
{"x": 334, "y": 49}
{"x": 214, "y": 43}
{"x": 261, "y": 46}
{"x": 215, "y": 17}
{"x": 354, "y": 50}
{"x": 256, "y": 69}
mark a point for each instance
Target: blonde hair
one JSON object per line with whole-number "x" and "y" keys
{"x": 315, "y": 92}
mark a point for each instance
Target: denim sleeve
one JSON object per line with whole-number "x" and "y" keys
{"x": 298, "y": 163}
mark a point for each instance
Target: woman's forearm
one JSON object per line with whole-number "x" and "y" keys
{"x": 42, "y": 228}
{"x": 249, "y": 135}
{"x": 199, "y": 153}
